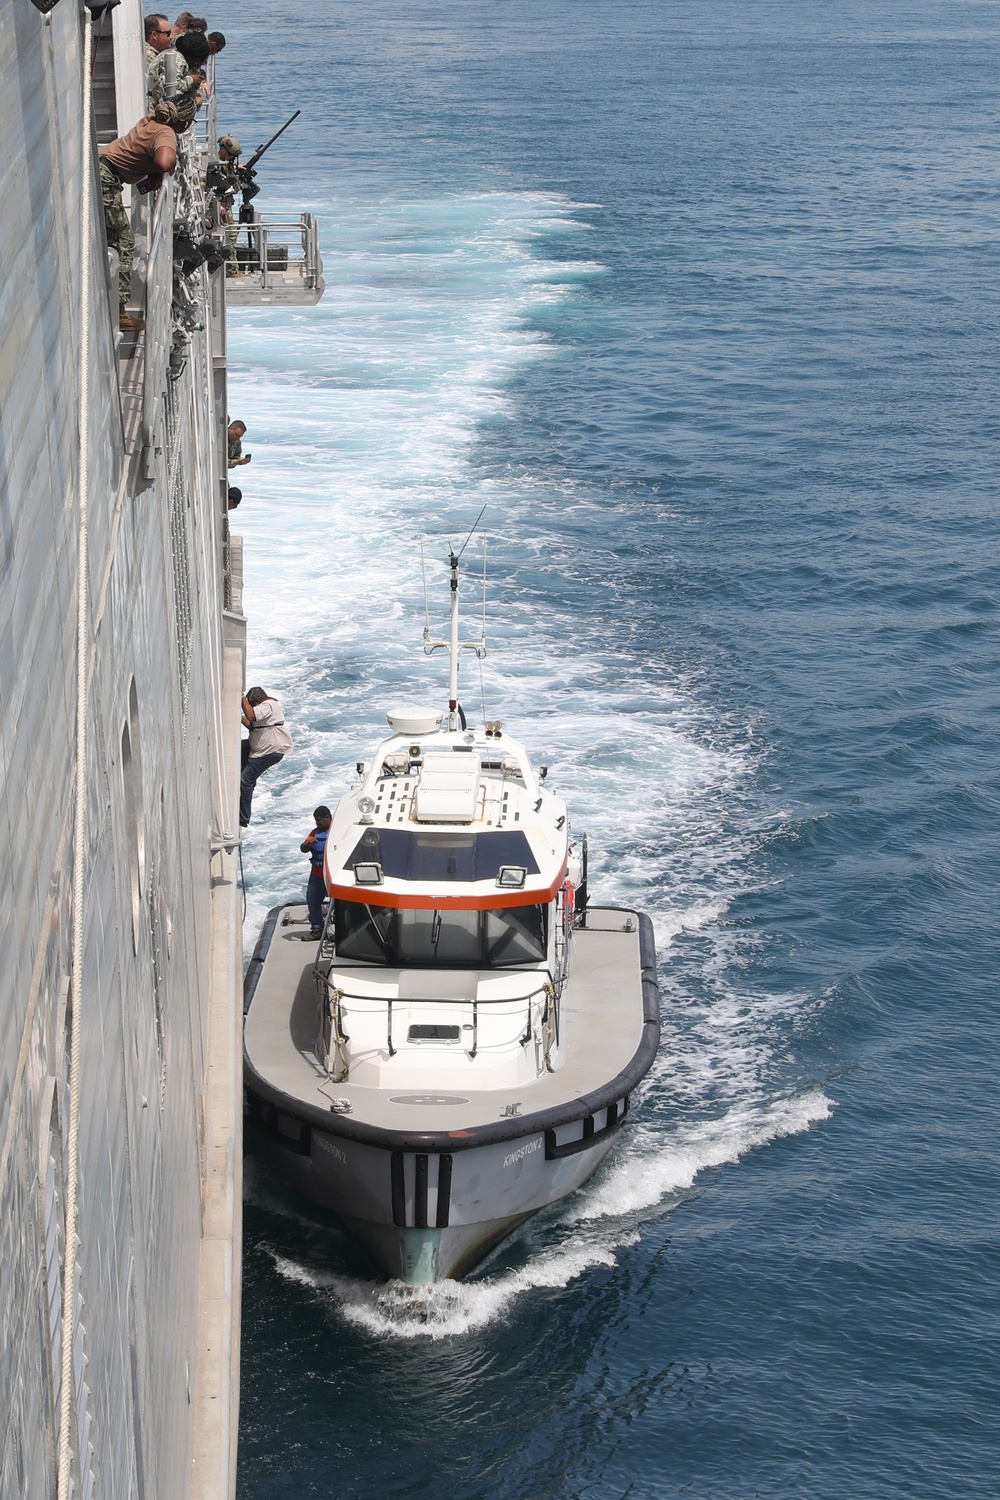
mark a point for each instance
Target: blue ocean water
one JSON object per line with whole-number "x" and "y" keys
{"x": 700, "y": 299}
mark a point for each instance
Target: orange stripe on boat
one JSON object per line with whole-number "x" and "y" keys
{"x": 377, "y": 895}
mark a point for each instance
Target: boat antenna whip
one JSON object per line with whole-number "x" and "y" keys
{"x": 453, "y": 645}
{"x": 472, "y": 533}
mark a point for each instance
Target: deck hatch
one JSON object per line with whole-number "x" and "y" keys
{"x": 427, "y": 1032}
{"x": 448, "y": 789}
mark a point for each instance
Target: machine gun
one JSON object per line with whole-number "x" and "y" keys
{"x": 248, "y": 177}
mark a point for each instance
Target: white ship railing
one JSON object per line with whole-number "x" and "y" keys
{"x": 159, "y": 289}
{"x": 206, "y": 121}
{"x": 276, "y": 260}
{"x": 541, "y": 1012}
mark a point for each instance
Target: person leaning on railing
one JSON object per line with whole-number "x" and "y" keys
{"x": 142, "y": 156}
{"x": 186, "y": 22}
{"x": 189, "y": 54}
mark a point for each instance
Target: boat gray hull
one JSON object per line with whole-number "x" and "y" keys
{"x": 424, "y": 1216}
{"x": 429, "y": 1203}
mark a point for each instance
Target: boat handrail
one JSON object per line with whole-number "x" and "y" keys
{"x": 334, "y": 1038}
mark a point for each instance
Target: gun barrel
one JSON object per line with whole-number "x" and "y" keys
{"x": 248, "y": 166}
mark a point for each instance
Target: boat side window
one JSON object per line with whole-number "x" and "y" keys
{"x": 364, "y": 932}
{"x": 515, "y": 935}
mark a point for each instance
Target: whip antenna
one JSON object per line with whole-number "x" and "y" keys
{"x": 472, "y": 533}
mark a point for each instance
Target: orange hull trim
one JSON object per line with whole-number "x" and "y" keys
{"x": 376, "y": 895}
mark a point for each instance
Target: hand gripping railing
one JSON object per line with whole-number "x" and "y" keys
{"x": 333, "y": 1038}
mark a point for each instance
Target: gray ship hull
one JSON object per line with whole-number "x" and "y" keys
{"x": 122, "y": 664}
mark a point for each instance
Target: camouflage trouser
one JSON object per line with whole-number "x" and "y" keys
{"x": 120, "y": 236}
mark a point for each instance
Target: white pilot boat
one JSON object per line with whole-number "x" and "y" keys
{"x": 463, "y": 1049}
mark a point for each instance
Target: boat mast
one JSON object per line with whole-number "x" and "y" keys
{"x": 453, "y": 645}
{"x": 453, "y": 651}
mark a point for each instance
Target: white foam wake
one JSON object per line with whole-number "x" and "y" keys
{"x": 648, "y": 1173}
{"x": 656, "y": 1164}
{"x": 447, "y": 1309}
{"x": 365, "y": 417}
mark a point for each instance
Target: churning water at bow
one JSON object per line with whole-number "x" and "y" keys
{"x": 700, "y": 303}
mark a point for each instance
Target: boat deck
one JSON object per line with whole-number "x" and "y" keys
{"x": 601, "y": 1029}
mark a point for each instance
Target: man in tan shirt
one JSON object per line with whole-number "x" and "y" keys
{"x": 146, "y": 152}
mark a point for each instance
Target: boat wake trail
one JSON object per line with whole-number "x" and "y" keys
{"x": 664, "y": 780}
{"x": 650, "y": 1172}
{"x": 654, "y": 1169}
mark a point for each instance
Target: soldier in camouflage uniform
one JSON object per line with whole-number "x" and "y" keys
{"x": 120, "y": 236}
{"x": 157, "y": 42}
{"x": 186, "y": 59}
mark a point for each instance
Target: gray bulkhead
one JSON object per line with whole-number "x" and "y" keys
{"x": 163, "y": 770}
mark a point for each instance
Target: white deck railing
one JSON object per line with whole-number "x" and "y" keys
{"x": 276, "y": 259}
{"x": 159, "y": 288}
{"x": 540, "y": 1009}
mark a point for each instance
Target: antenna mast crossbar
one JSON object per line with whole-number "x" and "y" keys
{"x": 453, "y": 645}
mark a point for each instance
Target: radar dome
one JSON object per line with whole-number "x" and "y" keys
{"x": 410, "y": 720}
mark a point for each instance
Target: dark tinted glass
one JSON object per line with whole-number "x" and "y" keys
{"x": 495, "y": 939}
{"x": 442, "y": 856}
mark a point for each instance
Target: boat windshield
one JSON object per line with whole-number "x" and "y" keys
{"x": 405, "y": 855}
{"x": 499, "y": 938}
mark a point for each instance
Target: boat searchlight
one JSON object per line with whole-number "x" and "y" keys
{"x": 511, "y": 877}
{"x": 368, "y": 874}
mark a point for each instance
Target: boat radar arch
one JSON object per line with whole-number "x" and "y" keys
{"x": 411, "y": 720}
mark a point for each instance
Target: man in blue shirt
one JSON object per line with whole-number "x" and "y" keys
{"x": 315, "y": 846}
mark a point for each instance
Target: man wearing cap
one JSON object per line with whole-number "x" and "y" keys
{"x": 147, "y": 151}
{"x": 229, "y": 150}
